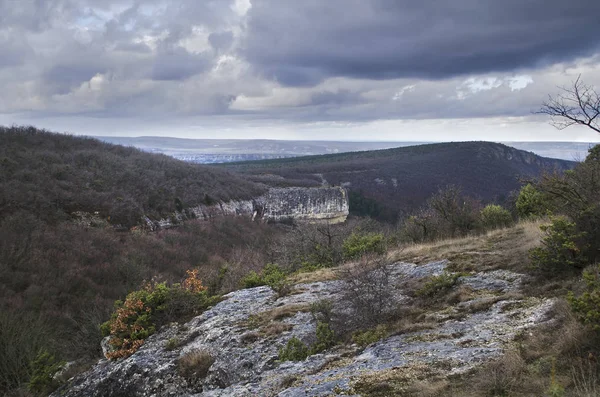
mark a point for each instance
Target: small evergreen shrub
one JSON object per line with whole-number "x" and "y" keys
{"x": 531, "y": 202}
{"x": 43, "y": 369}
{"x": 560, "y": 248}
{"x": 172, "y": 344}
{"x": 325, "y": 338}
{"x": 358, "y": 244}
{"x": 365, "y": 338}
{"x": 436, "y": 285}
{"x": 155, "y": 304}
{"x": 494, "y": 216}
{"x": 272, "y": 275}
{"x": 587, "y": 306}
{"x": 294, "y": 350}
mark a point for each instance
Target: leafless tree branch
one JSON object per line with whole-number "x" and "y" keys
{"x": 576, "y": 105}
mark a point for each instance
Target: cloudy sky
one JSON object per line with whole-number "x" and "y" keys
{"x": 290, "y": 69}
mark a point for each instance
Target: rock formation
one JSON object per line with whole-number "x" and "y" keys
{"x": 277, "y": 204}
{"x": 243, "y": 351}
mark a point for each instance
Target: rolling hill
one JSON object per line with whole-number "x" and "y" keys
{"x": 393, "y": 182}
{"x": 53, "y": 175}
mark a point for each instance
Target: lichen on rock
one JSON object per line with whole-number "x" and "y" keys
{"x": 249, "y": 366}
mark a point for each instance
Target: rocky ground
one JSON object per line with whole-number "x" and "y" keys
{"x": 245, "y": 331}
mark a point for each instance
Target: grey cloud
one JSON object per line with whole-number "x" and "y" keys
{"x": 339, "y": 97}
{"x": 298, "y": 61}
{"x": 178, "y": 64}
{"x": 301, "y": 42}
{"x": 221, "y": 41}
{"x": 14, "y": 51}
{"x": 133, "y": 47}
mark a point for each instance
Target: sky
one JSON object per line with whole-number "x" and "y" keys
{"x": 366, "y": 70}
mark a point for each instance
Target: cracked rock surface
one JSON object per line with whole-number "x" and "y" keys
{"x": 246, "y": 355}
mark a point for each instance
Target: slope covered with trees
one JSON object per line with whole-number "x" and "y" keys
{"x": 394, "y": 182}
{"x": 53, "y": 175}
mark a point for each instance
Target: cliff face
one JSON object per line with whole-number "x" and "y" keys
{"x": 301, "y": 204}
{"x": 323, "y": 203}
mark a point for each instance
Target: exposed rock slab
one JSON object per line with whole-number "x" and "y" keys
{"x": 246, "y": 364}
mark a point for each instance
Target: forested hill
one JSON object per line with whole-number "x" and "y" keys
{"x": 392, "y": 182}
{"x": 52, "y": 175}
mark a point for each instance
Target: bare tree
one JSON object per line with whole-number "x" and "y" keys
{"x": 576, "y": 105}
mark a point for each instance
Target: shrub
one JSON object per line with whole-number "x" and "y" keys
{"x": 172, "y": 344}
{"x": 456, "y": 213}
{"x": 322, "y": 310}
{"x": 368, "y": 290}
{"x": 195, "y": 364}
{"x": 43, "y": 369}
{"x": 365, "y": 338}
{"x": 252, "y": 280}
{"x": 272, "y": 275}
{"x": 560, "y": 248}
{"x": 155, "y": 304}
{"x": 494, "y": 216}
{"x": 587, "y": 306}
{"x": 358, "y": 244}
{"x": 325, "y": 338}
{"x": 531, "y": 202}
{"x": 436, "y": 285}
{"x": 294, "y": 350}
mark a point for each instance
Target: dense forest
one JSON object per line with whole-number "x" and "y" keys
{"x": 59, "y": 276}
{"x": 390, "y": 184}
{"x": 53, "y": 175}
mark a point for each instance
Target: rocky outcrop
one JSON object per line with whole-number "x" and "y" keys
{"x": 246, "y": 355}
{"x": 277, "y": 204}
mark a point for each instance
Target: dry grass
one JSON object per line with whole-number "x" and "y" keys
{"x": 502, "y": 248}
{"x": 194, "y": 365}
{"x": 284, "y": 311}
{"x": 268, "y": 323}
{"x": 275, "y": 328}
{"x": 327, "y": 274}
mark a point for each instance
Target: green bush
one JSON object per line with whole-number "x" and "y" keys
{"x": 365, "y": 338}
{"x": 531, "y": 202}
{"x": 438, "y": 284}
{"x": 587, "y": 306}
{"x": 43, "y": 369}
{"x": 325, "y": 338}
{"x": 272, "y": 275}
{"x": 494, "y": 216}
{"x": 358, "y": 244}
{"x": 252, "y": 280}
{"x": 560, "y": 248}
{"x": 155, "y": 304}
{"x": 294, "y": 350}
{"x": 172, "y": 344}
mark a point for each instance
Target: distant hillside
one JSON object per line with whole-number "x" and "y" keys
{"x": 209, "y": 151}
{"x": 53, "y": 175}
{"x": 392, "y": 182}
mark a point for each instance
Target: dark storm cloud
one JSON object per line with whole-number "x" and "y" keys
{"x": 292, "y": 60}
{"x": 302, "y": 42}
